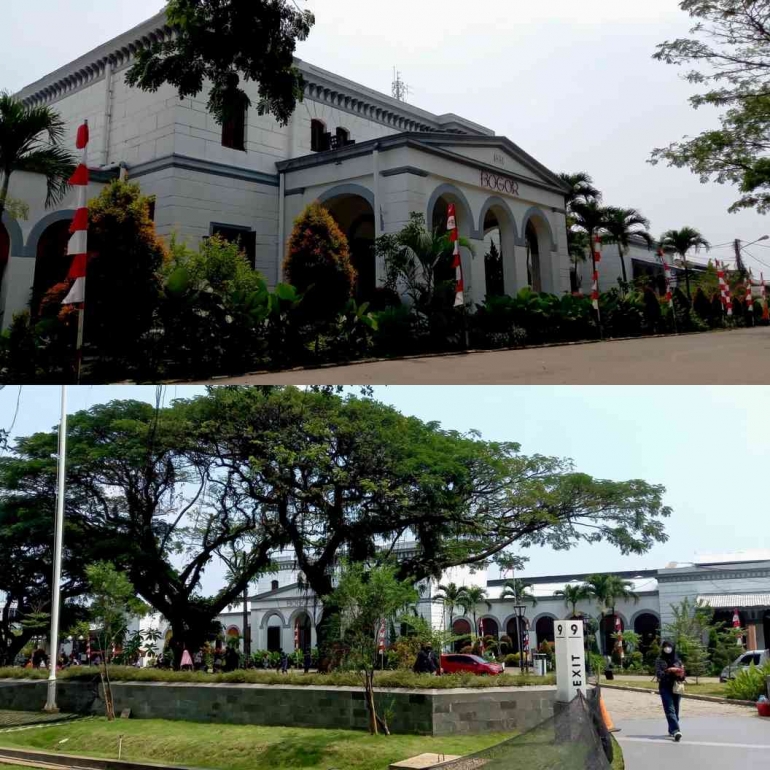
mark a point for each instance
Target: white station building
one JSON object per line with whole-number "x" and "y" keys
{"x": 369, "y": 158}
{"x": 282, "y": 611}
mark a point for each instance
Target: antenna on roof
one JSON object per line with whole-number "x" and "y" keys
{"x": 400, "y": 89}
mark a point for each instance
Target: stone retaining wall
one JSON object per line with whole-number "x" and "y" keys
{"x": 424, "y": 712}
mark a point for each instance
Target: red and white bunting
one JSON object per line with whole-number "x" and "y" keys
{"x": 296, "y": 635}
{"x": 381, "y": 636}
{"x": 749, "y": 296}
{"x": 667, "y": 274}
{"x": 78, "y": 244}
{"x": 597, "y": 254}
{"x": 481, "y": 634}
{"x": 724, "y": 290}
{"x": 457, "y": 263}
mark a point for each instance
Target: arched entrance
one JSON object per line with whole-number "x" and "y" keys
{"x": 647, "y": 626}
{"x": 51, "y": 261}
{"x": 491, "y": 628}
{"x": 498, "y": 228}
{"x": 302, "y": 632}
{"x": 355, "y": 216}
{"x": 606, "y": 630}
{"x": 461, "y": 628}
{"x": 274, "y": 626}
{"x": 544, "y": 630}
{"x": 233, "y": 632}
{"x": 538, "y": 241}
{"x": 437, "y": 218}
{"x": 511, "y": 631}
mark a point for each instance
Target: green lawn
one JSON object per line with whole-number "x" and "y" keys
{"x": 692, "y": 688}
{"x": 234, "y": 747}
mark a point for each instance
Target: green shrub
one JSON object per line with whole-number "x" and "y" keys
{"x": 395, "y": 679}
{"x": 513, "y": 659}
{"x": 394, "y": 331}
{"x": 749, "y": 683}
{"x": 318, "y": 264}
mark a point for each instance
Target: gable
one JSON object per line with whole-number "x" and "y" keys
{"x": 497, "y": 157}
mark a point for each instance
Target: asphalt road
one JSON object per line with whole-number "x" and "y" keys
{"x": 738, "y": 357}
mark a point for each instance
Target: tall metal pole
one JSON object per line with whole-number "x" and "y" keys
{"x": 50, "y": 704}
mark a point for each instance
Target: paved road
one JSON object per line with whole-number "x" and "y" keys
{"x": 715, "y": 736}
{"x": 720, "y": 358}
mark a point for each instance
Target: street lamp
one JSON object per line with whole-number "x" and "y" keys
{"x": 520, "y": 609}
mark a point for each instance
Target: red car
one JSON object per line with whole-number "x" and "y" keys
{"x": 469, "y": 664}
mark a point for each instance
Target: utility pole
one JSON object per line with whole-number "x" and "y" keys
{"x": 739, "y": 266}
{"x": 50, "y": 704}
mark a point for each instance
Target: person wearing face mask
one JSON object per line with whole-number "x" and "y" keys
{"x": 670, "y": 673}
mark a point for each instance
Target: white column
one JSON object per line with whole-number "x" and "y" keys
{"x": 105, "y": 154}
{"x": 281, "y": 226}
{"x": 380, "y": 266}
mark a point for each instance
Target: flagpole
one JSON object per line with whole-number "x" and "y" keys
{"x": 50, "y": 704}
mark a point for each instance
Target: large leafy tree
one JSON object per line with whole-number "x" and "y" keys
{"x": 31, "y": 140}
{"x": 226, "y": 43}
{"x": 682, "y": 242}
{"x": 355, "y": 477}
{"x": 620, "y": 226}
{"x": 728, "y": 51}
{"x": 152, "y": 502}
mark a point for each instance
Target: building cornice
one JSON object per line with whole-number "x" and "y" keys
{"x": 320, "y": 85}
{"x": 696, "y": 575}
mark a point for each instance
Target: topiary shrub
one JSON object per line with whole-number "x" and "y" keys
{"x": 318, "y": 264}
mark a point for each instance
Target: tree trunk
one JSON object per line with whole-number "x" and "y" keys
{"x": 369, "y": 688}
{"x": 109, "y": 703}
{"x": 622, "y": 265}
{"x": 686, "y": 276}
{"x": 4, "y": 192}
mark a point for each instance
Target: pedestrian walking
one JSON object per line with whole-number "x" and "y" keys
{"x": 308, "y": 661}
{"x": 425, "y": 663}
{"x": 670, "y": 673}
{"x": 283, "y": 663}
{"x": 187, "y": 662}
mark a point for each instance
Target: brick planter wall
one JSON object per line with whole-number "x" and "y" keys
{"x": 424, "y": 712}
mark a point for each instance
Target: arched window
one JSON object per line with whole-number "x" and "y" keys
{"x": 341, "y": 138}
{"x": 274, "y": 585}
{"x": 234, "y": 131}
{"x": 319, "y": 139}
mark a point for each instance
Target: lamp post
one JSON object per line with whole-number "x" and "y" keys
{"x": 739, "y": 246}
{"x": 520, "y": 609}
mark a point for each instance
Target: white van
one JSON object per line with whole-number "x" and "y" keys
{"x": 743, "y": 661}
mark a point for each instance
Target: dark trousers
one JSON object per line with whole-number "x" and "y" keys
{"x": 671, "y": 708}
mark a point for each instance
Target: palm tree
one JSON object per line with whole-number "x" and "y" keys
{"x": 589, "y": 217}
{"x": 607, "y": 589}
{"x": 620, "y": 225}
{"x": 452, "y": 596}
{"x": 681, "y": 242}
{"x": 518, "y": 590}
{"x": 30, "y": 140}
{"x": 581, "y": 190}
{"x": 470, "y": 600}
{"x": 572, "y": 594}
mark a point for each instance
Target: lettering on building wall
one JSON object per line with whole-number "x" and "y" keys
{"x": 500, "y": 183}
{"x": 499, "y": 159}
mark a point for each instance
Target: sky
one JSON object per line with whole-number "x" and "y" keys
{"x": 706, "y": 445}
{"x": 571, "y": 83}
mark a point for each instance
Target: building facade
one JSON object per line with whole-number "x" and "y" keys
{"x": 371, "y": 159}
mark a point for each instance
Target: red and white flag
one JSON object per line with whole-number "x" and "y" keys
{"x": 381, "y": 636}
{"x": 737, "y": 624}
{"x": 724, "y": 290}
{"x": 457, "y": 263}
{"x": 597, "y": 252}
{"x": 296, "y": 635}
{"x": 78, "y": 244}
{"x": 667, "y": 274}
{"x": 749, "y": 296}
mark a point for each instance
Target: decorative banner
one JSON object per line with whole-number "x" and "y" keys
{"x": 457, "y": 264}
{"x": 667, "y": 274}
{"x": 78, "y": 244}
{"x": 296, "y": 634}
{"x": 597, "y": 257}
{"x": 619, "y": 641}
{"x": 737, "y": 624}
{"x": 481, "y": 634}
{"x": 381, "y": 637}
{"x": 724, "y": 290}
{"x": 749, "y": 297}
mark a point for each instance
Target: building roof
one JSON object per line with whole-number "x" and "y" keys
{"x": 735, "y": 601}
{"x": 320, "y": 84}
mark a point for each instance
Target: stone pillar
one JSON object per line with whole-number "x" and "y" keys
{"x": 18, "y": 279}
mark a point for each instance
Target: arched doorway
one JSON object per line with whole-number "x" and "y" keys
{"x": 647, "y": 626}
{"x": 499, "y": 232}
{"x": 491, "y": 628}
{"x": 511, "y": 631}
{"x": 539, "y": 241}
{"x": 355, "y": 216}
{"x": 534, "y": 273}
{"x": 51, "y": 261}
{"x": 461, "y": 628}
{"x": 302, "y": 632}
{"x": 606, "y": 630}
{"x": 274, "y": 626}
{"x": 233, "y": 632}
{"x": 437, "y": 219}
{"x": 544, "y": 630}
{"x": 493, "y": 257}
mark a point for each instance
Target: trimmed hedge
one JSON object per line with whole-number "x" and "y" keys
{"x": 394, "y": 679}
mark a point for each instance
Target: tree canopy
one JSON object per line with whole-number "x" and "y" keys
{"x": 324, "y": 476}
{"x": 729, "y": 51}
{"x": 224, "y": 44}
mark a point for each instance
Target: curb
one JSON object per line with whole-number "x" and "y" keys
{"x": 70, "y": 761}
{"x": 707, "y": 698}
{"x": 445, "y": 354}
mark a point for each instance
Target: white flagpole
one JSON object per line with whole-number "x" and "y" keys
{"x": 50, "y": 704}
